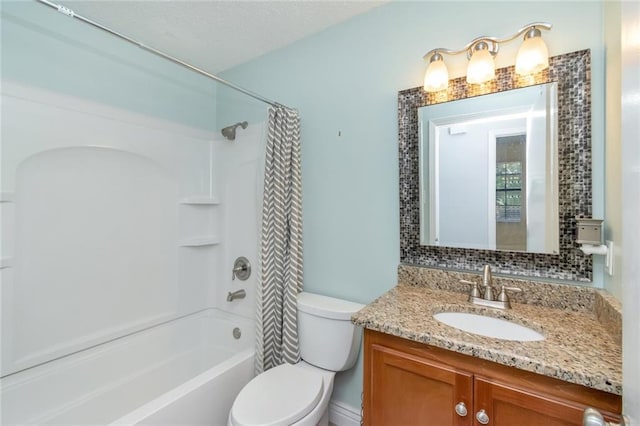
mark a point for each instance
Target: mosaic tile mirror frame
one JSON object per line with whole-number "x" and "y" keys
{"x": 572, "y": 72}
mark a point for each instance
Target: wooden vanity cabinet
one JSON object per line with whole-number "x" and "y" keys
{"x": 409, "y": 383}
{"x": 406, "y": 388}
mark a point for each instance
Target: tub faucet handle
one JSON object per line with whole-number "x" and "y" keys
{"x": 241, "y": 269}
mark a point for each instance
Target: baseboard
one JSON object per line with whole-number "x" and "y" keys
{"x": 341, "y": 414}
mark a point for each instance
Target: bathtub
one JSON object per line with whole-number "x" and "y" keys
{"x": 187, "y": 371}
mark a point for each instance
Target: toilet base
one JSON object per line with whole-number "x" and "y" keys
{"x": 324, "y": 421}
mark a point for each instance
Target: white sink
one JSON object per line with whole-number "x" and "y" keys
{"x": 488, "y": 326}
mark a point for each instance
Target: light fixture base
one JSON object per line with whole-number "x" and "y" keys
{"x": 532, "y": 32}
{"x": 492, "y": 46}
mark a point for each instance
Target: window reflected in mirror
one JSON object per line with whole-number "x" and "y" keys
{"x": 511, "y": 219}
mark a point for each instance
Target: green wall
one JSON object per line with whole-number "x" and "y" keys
{"x": 344, "y": 81}
{"x": 47, "y": 50}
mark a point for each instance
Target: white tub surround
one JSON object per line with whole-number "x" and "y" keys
{"x": 118, "y": 237}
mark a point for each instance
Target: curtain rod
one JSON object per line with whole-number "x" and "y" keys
{"x": 66, "y": 11}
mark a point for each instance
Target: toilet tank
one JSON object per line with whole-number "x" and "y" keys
{"x": 328, "y": 339}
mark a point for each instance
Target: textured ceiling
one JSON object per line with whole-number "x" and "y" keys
{"x": 218, "y": 35}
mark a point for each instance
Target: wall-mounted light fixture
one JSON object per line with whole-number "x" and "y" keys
{"x": 532, "y": 57}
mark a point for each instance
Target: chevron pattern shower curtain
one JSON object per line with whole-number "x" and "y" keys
{"x": 281, "y": 243}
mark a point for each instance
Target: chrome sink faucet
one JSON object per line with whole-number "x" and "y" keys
{"x": 488, "y": 297}
{"x": 487, "y": 283}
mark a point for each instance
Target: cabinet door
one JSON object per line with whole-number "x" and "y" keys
{"x": 507, "y": 405}
{"x": 409, "y": 390}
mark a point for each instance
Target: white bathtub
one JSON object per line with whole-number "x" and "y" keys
{"x": 186, "y": 371}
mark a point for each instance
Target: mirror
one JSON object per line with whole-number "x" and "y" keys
{"x": 571, "y": 73}
{"x": 488, "y": 171}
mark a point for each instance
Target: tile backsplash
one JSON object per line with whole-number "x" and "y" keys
{"x": 572, "y": 73}
{"x": 551, "y": 295}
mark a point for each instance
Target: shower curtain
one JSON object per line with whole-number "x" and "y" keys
{"x": 281, "y": 243}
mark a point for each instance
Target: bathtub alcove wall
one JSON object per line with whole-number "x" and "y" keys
{"x": 119, "y": 233}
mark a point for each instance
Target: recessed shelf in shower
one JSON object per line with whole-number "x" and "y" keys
{"x": 207, "y": 240}
{"x": 198, "y": 200}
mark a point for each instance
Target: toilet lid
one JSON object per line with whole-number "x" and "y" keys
{"x": 279, "y": 396}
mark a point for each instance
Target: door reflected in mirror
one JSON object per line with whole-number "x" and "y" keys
{"x": 488, "y": 172}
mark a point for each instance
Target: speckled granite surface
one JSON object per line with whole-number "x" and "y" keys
{"x": 576, "y": 348}
{"x": 607, "y": 308}
{"x": 609, "y": 312}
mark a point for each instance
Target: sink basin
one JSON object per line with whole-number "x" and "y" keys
{"x": 488, "y": 326}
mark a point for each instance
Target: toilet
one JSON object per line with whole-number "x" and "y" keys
{"x": 299, "y": 394}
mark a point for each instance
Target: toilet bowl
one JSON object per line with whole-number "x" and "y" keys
{"x": 299, "y": 394}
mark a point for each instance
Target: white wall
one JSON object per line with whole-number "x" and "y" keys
{"x": 463, "y": 217}
{"x": 630, "y": 135}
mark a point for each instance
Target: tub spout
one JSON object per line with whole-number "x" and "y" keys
{"x": 233, "y": 295}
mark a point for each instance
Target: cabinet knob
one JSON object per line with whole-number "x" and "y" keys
{"x": 461, "y": 409}
{"x": 482, "y": 417}
{"x": 592, "y": 417}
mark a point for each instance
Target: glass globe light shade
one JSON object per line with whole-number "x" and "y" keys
{"x": 436, "y": 77}
{"x": 481, "y": 67}
{"x": 533, "y": 56}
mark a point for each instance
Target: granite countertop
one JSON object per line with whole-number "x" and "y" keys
{"x": 577, "y": 348}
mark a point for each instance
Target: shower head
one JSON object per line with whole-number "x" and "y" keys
{"x": 229, "y": 132}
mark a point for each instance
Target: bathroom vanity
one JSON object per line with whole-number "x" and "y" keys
{"x": 418, "y": 370}
{"x": 413, "y": 383}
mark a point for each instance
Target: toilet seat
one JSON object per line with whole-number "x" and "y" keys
{"x": 278, "y": 397}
